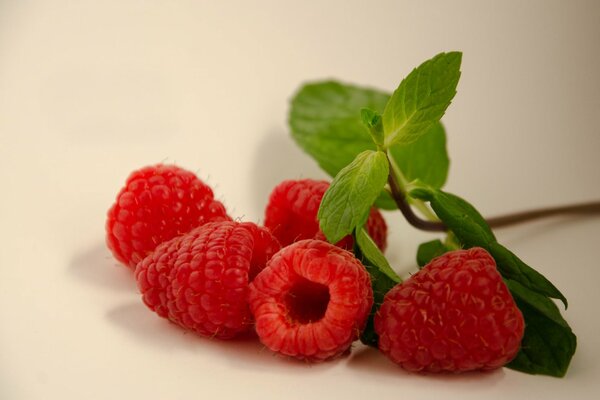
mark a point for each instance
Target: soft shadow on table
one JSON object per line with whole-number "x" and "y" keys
{"x": 96, "y": 266}
{"x": 370, "y": 360}
{"x": 243, "y": 353}
{"x": 277, "y": 158}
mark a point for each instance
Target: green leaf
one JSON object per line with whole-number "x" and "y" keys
{"x": 461, "y": 217}
{"x": 326, "y": 123}
{"x": 425, "y": 159}
{"x": 372, "y": 253}
{"x": 429, "y": 250}
{"x": 372, "y": 121}
{"x": 369, "y": 117}
{"x": 549, "y": 343}
{"x": 421, "y": 99}
{"x": 347, "y": 202}
{"x": 512, "y": 267}
{"x": 383, "y": 278}
{"x": 539, "y": 302}
{"x": 472, "y": 230}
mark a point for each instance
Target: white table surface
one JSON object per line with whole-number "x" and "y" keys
{"x": 91, "y": 90}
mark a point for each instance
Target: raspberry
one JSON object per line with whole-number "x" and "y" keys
{"x": 156, "y": 204}
{"x": 454, "y": 315}
{"x": 291, "y": 214}
{"x": 311, "y": 301}
{"x": 200, "y": 280}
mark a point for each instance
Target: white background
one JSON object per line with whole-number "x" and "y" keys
{"x": 91, "y": 90}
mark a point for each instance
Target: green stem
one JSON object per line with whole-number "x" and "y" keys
{"x": 398, "y": 188}
{"x": 403, "y": 186}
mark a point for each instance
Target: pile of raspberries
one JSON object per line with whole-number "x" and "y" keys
{"x": 302, "y": 296}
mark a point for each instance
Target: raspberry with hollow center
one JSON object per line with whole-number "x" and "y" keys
{"x": 291, "y": 214}
{"x": 311, "y": 301}
{"x": 200, "y": 280}
{"x": 454, "y": 315}
{"x": 157, "y": 203}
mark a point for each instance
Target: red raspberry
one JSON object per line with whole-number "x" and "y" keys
{"x": 200, "y": 280}
{"x": 454, "y": 315}
{"x": 311, "y": 301}
{"x": 156, "y": 204}
{"x": 291, "y": 214}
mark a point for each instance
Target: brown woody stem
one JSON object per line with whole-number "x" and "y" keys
{"x": 495, "y": 222}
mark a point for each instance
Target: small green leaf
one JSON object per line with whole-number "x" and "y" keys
{"x": 539, "y": 302}
{"x": 325, "y": 121}
{"x": 512, "y": 267}
{"x": 347, "y": 202}
{"x": 461, "y": 217}
{"x": 383, "y": 278}
{"x": 549, "y": 343}
{"x": 429, "y": 250}
{"x": 372, "y": 121}
{"x": 425, "y": 159}
{"x": 421, "y": 99}
{"x": 370, "y": 118}
{"x": 372, "y": 253}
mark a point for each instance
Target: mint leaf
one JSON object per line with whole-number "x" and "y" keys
{"x": 421, "y": 99}
{"x": 542, "y": 304}
{"x": 372, "y": 120}
{"x": 425, "y": 159}
{"x": 326, "y": 123}
{"x": 383, "y": 278}
{"x": 347, "y": 202}
{"x": 548, "y": 344}
{"x": 512, "y": 267}
{"x": 429, "y": 250}
{"x": 461, "y": 217}
{"x": 372, "y": 253}
{"x": 472, "y": 230}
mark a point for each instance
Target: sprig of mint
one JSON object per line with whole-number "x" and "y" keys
{"x": 365, "y": 138}
{"x": 326, "y": 122}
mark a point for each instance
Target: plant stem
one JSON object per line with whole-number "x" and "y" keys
{"x": 402, "y": 183}
{"x": 524, "y": 216}
{"x": 400, "y": 198}
{"x": 495, "y": 222}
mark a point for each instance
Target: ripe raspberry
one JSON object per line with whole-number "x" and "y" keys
{"x": 311, "y": 301}
{"x": 454, "y": 315}
{"x": 200, "y": 280}
{"x": 291, "y": 214}
{"x": 156, "y": 204}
